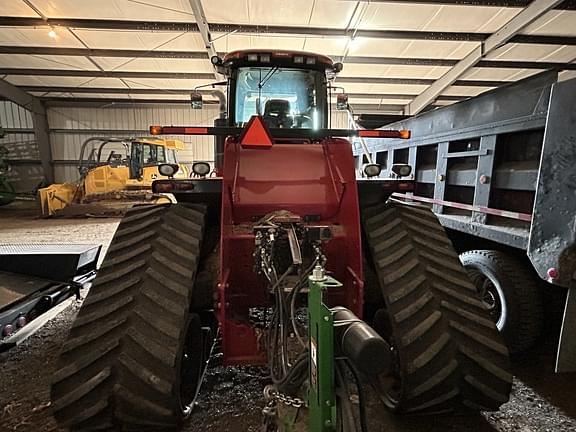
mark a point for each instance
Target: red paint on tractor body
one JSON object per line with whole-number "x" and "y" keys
{"x": 313, "y": 180}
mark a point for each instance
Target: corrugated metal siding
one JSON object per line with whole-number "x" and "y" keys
{"x": 13, "y": 116}
{"x": 70, "y": 127}
{"x": 21, "y": 144}
{"x": 339, "y": 119}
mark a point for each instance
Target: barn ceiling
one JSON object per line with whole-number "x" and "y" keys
{"x": 393, "y": 51}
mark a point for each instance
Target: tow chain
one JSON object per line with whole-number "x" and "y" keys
{"x": 273, "y": 395}
{"x": 289, "y": 400}
{"x": 270, "y": 412}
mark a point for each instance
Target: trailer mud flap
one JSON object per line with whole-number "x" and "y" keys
{"x": 566, "y": 358}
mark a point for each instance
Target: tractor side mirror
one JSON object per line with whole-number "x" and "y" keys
{"x": 196, "y": 100}
{"x": 401, "y": 170}
{"x": 342, "y": 101}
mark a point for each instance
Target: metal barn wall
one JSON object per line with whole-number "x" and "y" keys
{"x": 71, "y": 126}
{"x": 26, "y": 172}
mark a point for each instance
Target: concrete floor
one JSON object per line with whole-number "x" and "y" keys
{"x": 231, "y": 398}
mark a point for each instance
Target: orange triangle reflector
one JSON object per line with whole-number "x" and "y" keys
{"x": 256, "y": 135}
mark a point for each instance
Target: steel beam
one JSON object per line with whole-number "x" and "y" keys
{"x": 415, "y": 81}
{"x": 41, "y": 132}
{"x": 107, "y": 24}
{"x": 99, "y": 52}
{"x": 209, "y": 76}
{"x": 201, "y": 55}
{"x": 567, "y": 5}
{"x": 204, "y": 30}
{"x": 111, "y": 102}
{"x": 185, "y": 91}
{"x": 38, "y": 110}
{"x": 505, "y": 34}
{"x": 105, "y": 74}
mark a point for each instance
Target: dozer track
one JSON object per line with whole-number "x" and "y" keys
{"x": 449, "y": 355}
{"x": 122, "y": 361}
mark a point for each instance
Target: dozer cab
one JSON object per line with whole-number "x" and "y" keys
{"x": 289, "y": 261}
{"x": 114, "y": 174}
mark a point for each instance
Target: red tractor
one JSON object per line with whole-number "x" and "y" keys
{"x": 240, "y": 258}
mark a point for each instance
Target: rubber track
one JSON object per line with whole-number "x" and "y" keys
{"x": 450, "y": 355}
{"x": 523, "y": 297}
{"x": 119, "y": 366}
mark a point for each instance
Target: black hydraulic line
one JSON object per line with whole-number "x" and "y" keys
{"x": 361, "y": 396}
{"x": 347, "y": 422}
{"x": 296, "y": 376}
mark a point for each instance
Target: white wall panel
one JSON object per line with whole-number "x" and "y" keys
{"x": 70, "y": 127}
{"x": 13, "y": 116}
{"x": 21, "y": 146}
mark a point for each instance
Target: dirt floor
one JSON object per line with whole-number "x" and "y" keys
{"x": 231, "y": 398}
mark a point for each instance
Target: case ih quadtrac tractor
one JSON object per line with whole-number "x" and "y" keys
{"x": 280, "y": 257}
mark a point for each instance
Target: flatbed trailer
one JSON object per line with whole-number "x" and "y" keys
{"x": 35, "y": 283}
{"x": 499, "y": 170}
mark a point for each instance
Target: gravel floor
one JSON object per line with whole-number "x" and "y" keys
{"x": 231, "y": 397}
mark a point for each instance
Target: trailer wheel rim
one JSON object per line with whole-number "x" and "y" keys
{"x": 490, "y": 290}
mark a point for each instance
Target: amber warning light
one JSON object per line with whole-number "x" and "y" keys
{"x": 402, "y": 134}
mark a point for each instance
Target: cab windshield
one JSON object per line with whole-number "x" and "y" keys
{"x": 284, "y": 97}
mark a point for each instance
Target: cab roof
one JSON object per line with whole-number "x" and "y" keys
{"x": 168, "y": 143}
{"x": 283, "y": 58}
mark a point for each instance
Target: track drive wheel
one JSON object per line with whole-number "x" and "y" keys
{"x": 134, "y": 356}
{"x": 449, "y": 356}
{"x": 511, "y": 292}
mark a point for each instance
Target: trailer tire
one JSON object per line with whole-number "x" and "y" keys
{"x": 135, "y": 349}
{"x": 511, "y": 292}
{"x": 448, "y": 354}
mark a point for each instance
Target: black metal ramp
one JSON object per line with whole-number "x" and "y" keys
{"x": 57, "y": 262}
{"x": 35, "y": 278}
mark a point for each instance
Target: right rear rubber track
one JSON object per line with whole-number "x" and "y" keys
{"x": 120, "y": 366}
{"x": 450, "y": 356}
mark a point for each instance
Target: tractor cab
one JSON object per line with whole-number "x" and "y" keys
{"x": 288, "y": 89}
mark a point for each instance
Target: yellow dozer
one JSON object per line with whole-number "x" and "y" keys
{"x": 117, "y": 174}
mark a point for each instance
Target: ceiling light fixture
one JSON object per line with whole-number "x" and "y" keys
{"x": 52, "y": 34}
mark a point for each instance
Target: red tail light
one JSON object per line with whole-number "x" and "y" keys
{"x": 169, "y": 186}
{"x": 7, "y": 330}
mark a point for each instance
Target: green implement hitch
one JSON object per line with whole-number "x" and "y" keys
{"x": 321, "y": 396}
{"x": 336, "y": 337}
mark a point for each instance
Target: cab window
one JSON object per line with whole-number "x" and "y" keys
{"x": 284, "y": 97}
{"x": 153, "y": 154}
{"x": 171, "y": 156}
